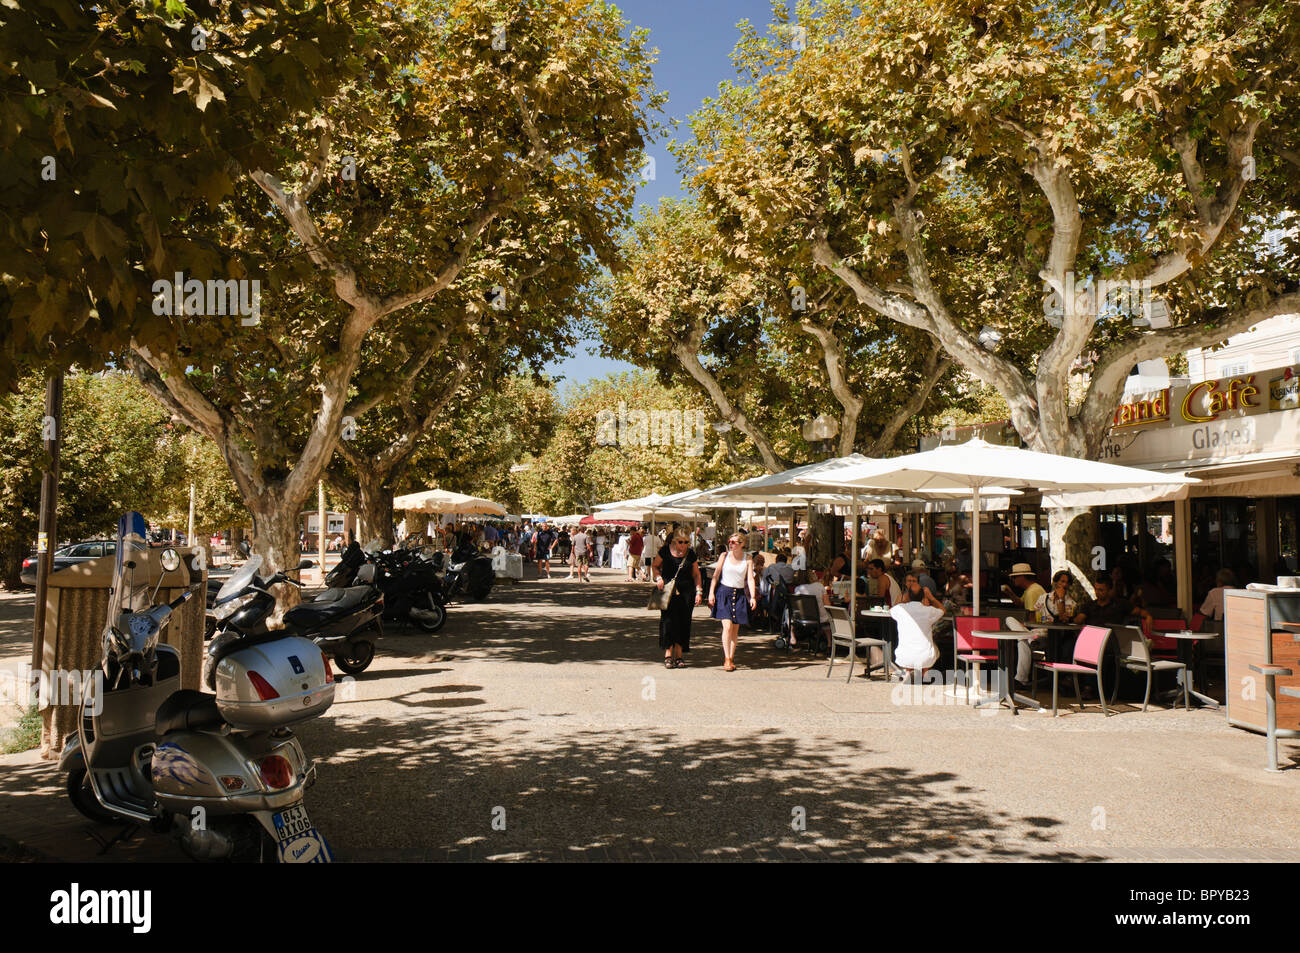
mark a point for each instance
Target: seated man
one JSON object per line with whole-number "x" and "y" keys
{"x": 924, "y": 578}
{"x": 916, "y": 650}
{"x": 1107, "y": 610}
{"x": 779, "y": 570}
{"x": 882, "y": 584}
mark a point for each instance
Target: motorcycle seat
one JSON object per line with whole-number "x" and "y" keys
{"x": 187, "y": 710}
{"x": 331, "y": 604}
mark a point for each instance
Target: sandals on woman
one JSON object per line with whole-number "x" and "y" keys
{"x": 668, "y": 662}
{"x": 679, "y": 663}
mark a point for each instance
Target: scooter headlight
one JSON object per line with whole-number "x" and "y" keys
{"x": 224, "y": 611}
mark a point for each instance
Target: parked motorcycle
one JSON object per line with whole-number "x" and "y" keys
{"x": 466, "y": 573}
{"x": 222, "y": 774}
{"x": 345, "y": 622}
{"x": 413, "y": 591}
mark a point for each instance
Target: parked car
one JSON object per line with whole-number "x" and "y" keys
{"x": 69, "y": 556}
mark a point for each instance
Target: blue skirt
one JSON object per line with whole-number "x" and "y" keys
{"x": 731, "y": 605}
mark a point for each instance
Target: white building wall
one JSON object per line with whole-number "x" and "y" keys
{"x": 1269, "y": 344}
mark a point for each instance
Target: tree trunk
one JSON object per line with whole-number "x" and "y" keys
{"x": 11, "y": 564}
{"x": 825, "y": 531}
{"x": 1073, "y": 533}
{"x": 275, "y": 539}
{"x": 724, "y": 525}
{"x": 375, "y": 502}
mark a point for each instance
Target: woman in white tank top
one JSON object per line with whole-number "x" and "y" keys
{"x": 733, "y": 580}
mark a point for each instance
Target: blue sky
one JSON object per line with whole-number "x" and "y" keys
{"x": 695, "y": 40}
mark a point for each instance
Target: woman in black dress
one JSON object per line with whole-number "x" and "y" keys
{"x": 675, "y": 621}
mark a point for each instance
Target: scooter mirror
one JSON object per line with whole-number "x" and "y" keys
{"x": 171, "y": 560}
{"x": 306, "y": 564}
{"x": 245, "y": 547}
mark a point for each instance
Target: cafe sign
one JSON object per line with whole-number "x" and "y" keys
{"x": 1144, "y": 411}
{"x": 1207, "y": 400}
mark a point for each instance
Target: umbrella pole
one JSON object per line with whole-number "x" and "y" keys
{"x": 766, "y": 525}
{"x": 853, "y": 576}
{"x": 975, "y": 549}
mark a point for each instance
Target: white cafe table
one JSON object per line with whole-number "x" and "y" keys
{"x": 1186, "y": 646}
{"x": 1007, "y": 640}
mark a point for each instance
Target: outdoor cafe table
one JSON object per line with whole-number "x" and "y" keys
{"x": 1006, "y": 665}
{"x": 1186, "y": 646}
{"x": 877, "y": 624}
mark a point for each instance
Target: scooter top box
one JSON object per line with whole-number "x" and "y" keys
{"x": 274, "y": 684}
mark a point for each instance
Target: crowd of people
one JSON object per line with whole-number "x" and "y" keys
{"x": 738, "y": 583}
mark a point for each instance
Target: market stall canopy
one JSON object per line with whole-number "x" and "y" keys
{"x": 642, "y": 514}
{"x": 570, "y": 520}
{"x": 443, "y": 501}
{"x": 652, "y": 499}
{"x": 606, "y": 521}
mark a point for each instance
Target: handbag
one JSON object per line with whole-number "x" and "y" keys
{"x": 659, "y": 598}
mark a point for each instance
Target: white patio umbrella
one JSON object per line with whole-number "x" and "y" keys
{"x": 444, "y": 501}
{"x": 977, "y": 465}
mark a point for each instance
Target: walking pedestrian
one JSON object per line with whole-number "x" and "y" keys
{"x": 635, "y": 547}
{"x": 601, "y": 542}
{"x": 542, "y": 543}
{"x": 733, "y": 580}
{"x": 581, "y": 554}
{"x": 677, "y": 561}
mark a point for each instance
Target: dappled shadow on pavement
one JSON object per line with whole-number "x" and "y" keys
{"x": 434, "y": 792}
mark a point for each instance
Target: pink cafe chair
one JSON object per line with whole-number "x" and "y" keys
{"x": 1089, "y": 649}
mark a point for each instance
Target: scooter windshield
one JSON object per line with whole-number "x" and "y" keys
{"x": 131, "y": 589}
{"x": 240, "y": 580}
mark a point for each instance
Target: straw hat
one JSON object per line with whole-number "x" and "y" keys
{"x": 1021, "y": 569}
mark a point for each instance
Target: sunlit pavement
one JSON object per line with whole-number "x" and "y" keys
{"x": 542, "y": 725}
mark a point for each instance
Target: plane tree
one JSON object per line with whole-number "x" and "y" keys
{"x": 377, "y": 205}
{"x": 1055, "y": 193}
{"x": 458, "y": 389}
{"x": 768, "y": 345}
{"x": 122, "y": 125}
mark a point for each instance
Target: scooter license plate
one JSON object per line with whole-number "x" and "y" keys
{"x": 297, "y": 841}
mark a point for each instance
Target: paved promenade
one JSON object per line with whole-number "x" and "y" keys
{"x": 543, "y": 725}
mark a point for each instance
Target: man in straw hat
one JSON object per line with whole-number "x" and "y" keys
{"x": 1024, "y": 586}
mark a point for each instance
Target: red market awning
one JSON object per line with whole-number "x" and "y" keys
{"x": 594, "y": 521}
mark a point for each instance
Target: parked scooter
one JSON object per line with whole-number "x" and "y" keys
{"x": 410, "y": 583}
{"x": 467, "y": 573}
{"x": 345, "y": 623}
{"x": 223, "y": 774}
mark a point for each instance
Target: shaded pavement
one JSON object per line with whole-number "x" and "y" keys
{"x": 542, "y": 725}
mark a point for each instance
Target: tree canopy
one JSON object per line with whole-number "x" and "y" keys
{"x": 971, "y": 170}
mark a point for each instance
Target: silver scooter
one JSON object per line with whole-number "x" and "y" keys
{"x": 223, "y": 774}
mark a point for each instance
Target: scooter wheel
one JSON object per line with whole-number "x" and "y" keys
{"x": 83, "y": 797}
{"x": 429, "y": 618}
{"x": 355, "y": 657}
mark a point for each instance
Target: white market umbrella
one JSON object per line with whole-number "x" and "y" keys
{"x": 977, "y": 465}
{"x": 645, "y": 509}
{"x": 443, "y": 501}
{"x": 569, "y": 520}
